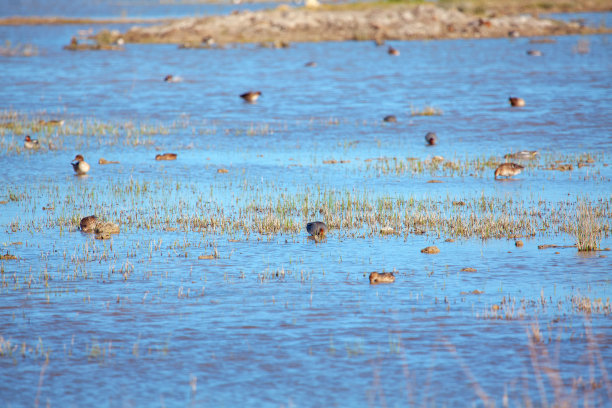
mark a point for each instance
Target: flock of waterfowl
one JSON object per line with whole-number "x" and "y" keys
{"x": 316, "y": 229}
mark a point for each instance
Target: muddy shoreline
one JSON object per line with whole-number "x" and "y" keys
{"x": 286, "y": 25}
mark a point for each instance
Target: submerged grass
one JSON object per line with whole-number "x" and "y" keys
{"x": 468, "y": 166}
{"x": 426, "y": 111}
{"x": 56, "y": 132}
{"x": 163, "y": 205}
{"x": 18, "y": 50}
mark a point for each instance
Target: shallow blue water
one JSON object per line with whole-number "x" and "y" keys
{"x": 278, "y": 320}
{"x": 122, "y": 8}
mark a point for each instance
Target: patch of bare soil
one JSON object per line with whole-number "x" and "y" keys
{"x": 401, "y": 22}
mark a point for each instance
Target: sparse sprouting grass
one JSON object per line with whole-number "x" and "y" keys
{"x": 163, "y": 205}
{"x": 73, "y": 132}
{"x": 587, "y": 227}
{"x": 428, "y": 110}
{"x": 466, "y": 166}
{"x": 19, "y": 50}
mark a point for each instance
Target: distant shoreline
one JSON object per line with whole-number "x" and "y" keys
{"x": 377, "y": 21}
{"x": 475, "y": 7}
{"x": 349, "y": 22}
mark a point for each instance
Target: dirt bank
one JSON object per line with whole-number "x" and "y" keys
{"x": 389, "y": 22}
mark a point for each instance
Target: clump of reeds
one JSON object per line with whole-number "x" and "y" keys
{"x": 428, "y": 110}
{"x": 586, "y": 305}
{"x": 19, "y": 50}
{"x": 587, "y": 229}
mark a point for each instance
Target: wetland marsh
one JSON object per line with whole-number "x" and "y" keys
{"x": 212, "y": 293}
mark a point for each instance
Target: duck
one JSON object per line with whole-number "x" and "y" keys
{"x": 208, "y": 40}
{"x": 393, "y": 51}
{"x": 166, "y": 156}
{"x": 79, "y": 165}
{"x": 316, "y": 228}
{"x": 431, "y": 138}
{"x": 516, "y": 102}
{"x": 172, "y": 78}
{"x": 522, "y": 155}
{"x": 88, "y": 224}
{"x": 383, "y": 277}
{"x": 390, "y": 118}
{"x": 534, "y": 53}
{"x": 508, "y": 170}
{"x": 311, "y": 64}
{"x": 30, "y": 143}
{"x": 251, "y": 96}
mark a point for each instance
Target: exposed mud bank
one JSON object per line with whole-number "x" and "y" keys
{"x": 286, "y": 25}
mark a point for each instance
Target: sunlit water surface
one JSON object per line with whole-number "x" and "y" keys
{"x": 279, "y": 320}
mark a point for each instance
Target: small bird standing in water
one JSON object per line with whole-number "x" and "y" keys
{"x": 393, "y": 51}
{"x": 508, "y": 170}
{"x": 30, "y": 143}
{"x": 516, "y": 102}
{"x": 250, "y": 96}
{"x": 431, "y": 138}
{"x": 79, "y": 165}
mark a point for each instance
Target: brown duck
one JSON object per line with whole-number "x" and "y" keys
{"x": 250, "y": 96}
{"x": 316, "y": 228}
{"x": 516, "y": 102}
{"x": 431, "y": 138}
{"x": 166, "y": 156}
{"x": 393, "y": 51}
{"x": 384, "y": 277}
{"x": 508, "y": 170}
{"x": 88, "y": 224}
